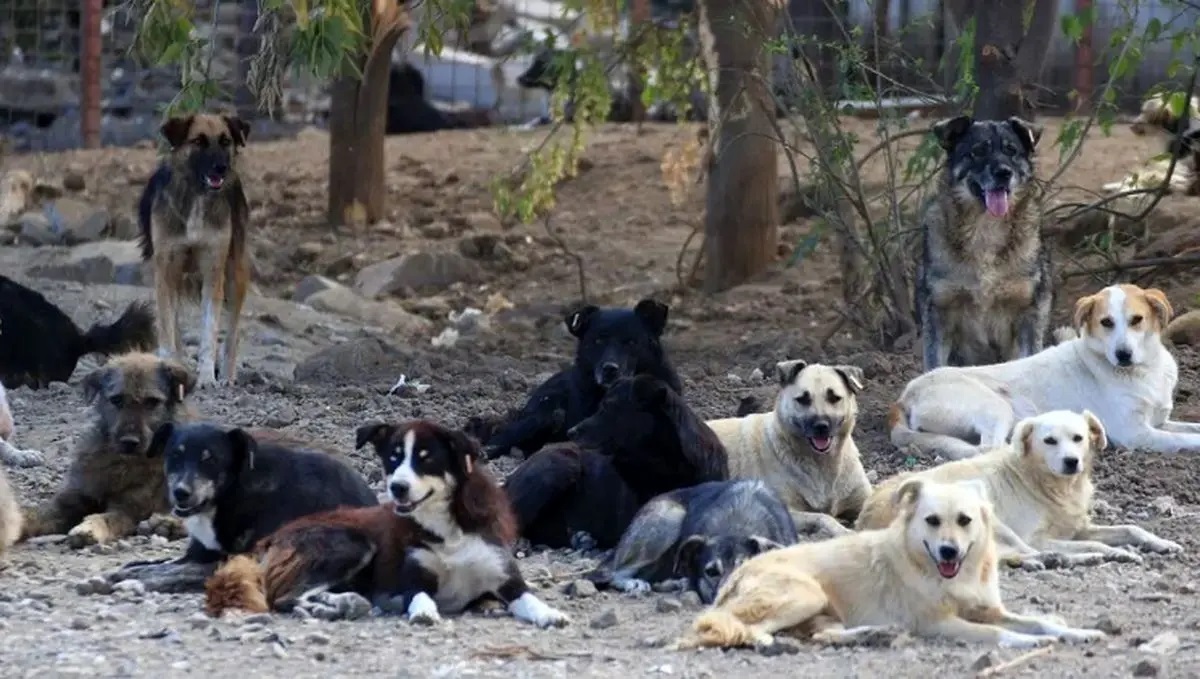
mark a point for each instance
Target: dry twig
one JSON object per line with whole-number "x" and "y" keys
{"x": 583, "y": 296}
{"x": 1020, "y": 659}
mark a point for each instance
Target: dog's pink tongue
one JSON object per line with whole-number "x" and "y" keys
{"x": 997, "y": 203}
{"x": 820, "y": 443}
{"x": 947, "y": 569}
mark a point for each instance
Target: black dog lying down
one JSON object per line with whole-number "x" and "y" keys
{"x": 642, "y": 441}
{"x": 232, "y": 488}
{"x": 699, "y": 534}
{"x": 410, "y": 112}
{"x": 40, "y": 344}
{"x": 612, "y": 343}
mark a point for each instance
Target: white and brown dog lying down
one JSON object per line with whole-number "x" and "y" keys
{"x": 1117, "y": 368}
{"x": 804, "y": 449}
{"x": 1041, "y": 492}
{"x": 1161, "y": 118}
{"x": 932, "y": 572}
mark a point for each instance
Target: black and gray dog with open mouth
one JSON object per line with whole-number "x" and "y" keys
{"x": 983, "y": 288}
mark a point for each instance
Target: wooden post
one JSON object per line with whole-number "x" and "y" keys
{"x": 89, "y": 74}
{"x": 639, "y": 17}
{"x": 1085, "y": 76}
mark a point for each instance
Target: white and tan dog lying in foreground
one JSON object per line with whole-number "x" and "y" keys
{"x": 932, "y": 572}
{"x": 1117, "y": 367}
{"x": 804, "y": 449}
{"x": 1041, "y": 492}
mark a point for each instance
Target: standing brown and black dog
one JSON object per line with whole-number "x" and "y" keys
{"x": 115, "y": 481}
{"x": 193, "y": 217}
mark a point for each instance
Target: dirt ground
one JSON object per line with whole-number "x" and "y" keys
{"x": 618, "y": 216}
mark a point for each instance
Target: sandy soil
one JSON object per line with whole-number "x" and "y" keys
{"x": 617, "y": 214}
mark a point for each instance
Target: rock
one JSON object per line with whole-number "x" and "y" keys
{"x": 988, "y": 659}
{"x": 1109, "y": 626}
{"x": 318, "y": 639}
{"x": 360, "y": 361}
{"x": 282, "y": 417}
{"x": 93, "y": 585}
{"x": 76, "y": 221}
{"x": 74, "y": 181}
{"x": 581, "y": 589}
{"x": 691, "y": 600}
{"x": 102, "y": 262}
{"x": 605, "y": 620}
{"x": 1184, "y": 329}
{"x": 417, "y": 271}
{"x": 1163, "y": 644}
{"x": 393, "y": 319}
{"x": 479, "y": 246}
{"x": 668, "y": 605}
{"x": 131, "y": 587}
{"x": 1165, "y": 505}
{"x": 482, "y": 222}
{"x": 79, "y": 624}
{"x": 1147, "y": 667}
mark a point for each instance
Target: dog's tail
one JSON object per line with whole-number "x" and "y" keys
{"x": 239, "y": 584}
{"x": 134, "y": 330}
{"x": 928, "y": 443}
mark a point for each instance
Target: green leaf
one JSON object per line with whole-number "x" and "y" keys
{"x": 1072, "y": 27}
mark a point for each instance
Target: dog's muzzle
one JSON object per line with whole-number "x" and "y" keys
{"x": 405, "y": 507}
{"x": 948, "y": 559}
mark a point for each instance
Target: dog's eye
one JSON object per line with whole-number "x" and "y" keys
{"x": 1009, "y": 149}
{"x": 1106, "y": 322}
{"x": 713, "y": 570}
{"x": 1050, "y": 441}
{"x": 963, "y": 520}
{"x": 805, "y": 399}
{"x": 1077, "y": 438}
{"x": 117, "y": 401}
{"x": 832, "y": 397}
{"x": 979, "y": 150}
{"x": 1135, "y": 321}
{"x": 933, "y": 520}
{"x": 224, "y": 142}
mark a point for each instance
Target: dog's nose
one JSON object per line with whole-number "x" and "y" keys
{"x": 1124, "y": 357}
{"x": 1002, "y": 174}
{"x": 181, "y": 494}
{"x": 609, "y": 372}
{"x": 948, "y": 552}
{"x": 1070, "y": 465}
{"x": 821, "y": 429}
{"x": 220, "y": 168}
{"x": 398, "y": 489}
{"x": 129, "y": 444}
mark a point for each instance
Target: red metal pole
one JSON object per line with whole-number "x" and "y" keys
{"x": 1084, "y": 61}
{"x": 89, "y": 73}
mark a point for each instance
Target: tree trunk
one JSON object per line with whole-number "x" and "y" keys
{"x": 357, "y": 123}
{"x": 742, "y": 207}
{"x": 1008, "y": 60}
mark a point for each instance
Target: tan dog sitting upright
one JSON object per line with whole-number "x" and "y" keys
{"x": 932, "y": 572}
{"x": 1041, "y": 489}
{"x": 114, "y": 482}
{"x": 193, "y": 218}
{"x": 804, "y": 449}
{"x": 1117, "y": 368}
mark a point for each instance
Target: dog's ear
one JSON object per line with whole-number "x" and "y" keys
{"x": 757, "y": 544}
{"x": 908, "y": 493}
{"x": 1029, "y": 133}
{"x": 239, "y": 129}
{"x": 649, "y": 391}
{"x": 1099, "y": 437}
{"x": 1161, "y": 305}
{"x": 175, "y": 130}
{"x": 244, "y": 448}
{"x": 786, "y": 371}
{"x": 1022, "y": 436}
{"x": 374, "y": 433}
{"x": 577, "y": 321}
{"x": 949, "y": 131}
{"x": 95, "y": 382}
{"x": 158, "y": 444}
{"x": 1083, "y": 311}
{"x": 177, "y": 380}
{"x": 463, "y": 448}
{"x": 688, "y": 550}
{"x": 852, "y": 375}
{"x": 654, "y": 314}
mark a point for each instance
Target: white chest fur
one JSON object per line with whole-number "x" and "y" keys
{"x": 200, "y": 528}
{"x": 466, "y": 568}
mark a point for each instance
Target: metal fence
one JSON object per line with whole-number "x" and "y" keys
{"x": 43, "y": 71}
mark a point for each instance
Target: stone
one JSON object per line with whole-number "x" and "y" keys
{"x": 605, "y": 620}
{"x": 988, "y": 659}
{"x": 101, "y": 262}
{"x": 311, "y": 285}
{"x": 581, "y": 589}
{"x": 35, "y": 228}
{"x": 420, "y": 271}
{"x": 73, "y": 181}
{"x": 389, "y": 316}
{"x": 668, "y": 605}
{"x": 359, "y": 361}
{"x": 1163, "y": 644}
{"x": 1147, "y": 667}
{"x": 77, "y": 221}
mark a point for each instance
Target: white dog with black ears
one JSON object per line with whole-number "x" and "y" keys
{"x": 1116, "y": 367}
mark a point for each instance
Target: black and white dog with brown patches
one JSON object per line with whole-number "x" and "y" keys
{"x": 462, "y": 552}
{"x": 984, "y": 289}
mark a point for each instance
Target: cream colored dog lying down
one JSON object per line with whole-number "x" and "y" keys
{"x": 932, "y": 571}
{"x": 1041, "y": 491}
{"x": 804, "y": 449}
{"x": 1117, "y": 368}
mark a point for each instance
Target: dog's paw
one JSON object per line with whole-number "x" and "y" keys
{"x": 632, "y": 586}
{"x": 1162, "y": 546}
{"x": 23, "y": 458}
{"x": 422, "y": 610}
{"x": 531, "y": 609}
{"x": 340, "y": 606}
{"x": 93, "y": 530}
{"x": 1028, "y": 564}
{"x": 1017, "y": 640}
{"x": 1122, "y": 556}
{"x": 1082, "y": 636}
{"x": 1052, "y": 560}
